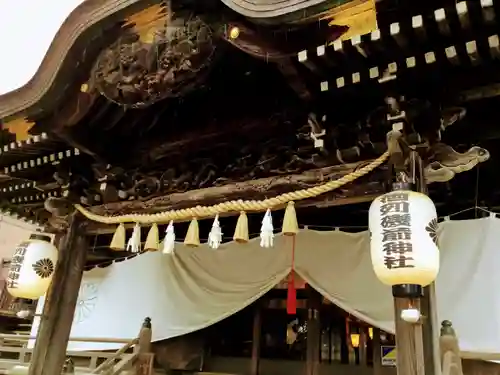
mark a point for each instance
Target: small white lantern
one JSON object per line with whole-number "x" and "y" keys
{"x": 403, "y": 228}
{"x": 32, "y": 267}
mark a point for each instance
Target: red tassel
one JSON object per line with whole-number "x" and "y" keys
{"x": 291, "y": 299}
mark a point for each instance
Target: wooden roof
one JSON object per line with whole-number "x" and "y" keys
{"x": 85, "y": 23}
{"x": 91, "y": 25}
{"x": 270, "y": 9}
{"x": 249, "y": 117}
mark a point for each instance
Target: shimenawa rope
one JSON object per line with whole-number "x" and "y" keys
{"x": 236, "y": 205}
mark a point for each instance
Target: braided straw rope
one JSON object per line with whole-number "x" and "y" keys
{"x": 235, "y": 206}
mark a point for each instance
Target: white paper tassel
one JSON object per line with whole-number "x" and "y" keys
{"x": 134, "y": 242}
{"x": 169, "y": 241}
{"x": 267, "y": 230}
{"x": 215, "y": 235}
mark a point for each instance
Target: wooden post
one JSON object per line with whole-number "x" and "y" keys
{"x": 256, "y": 332}
{"x": 313, "y": 332}
{"x": 145, "y": 336}
{"x": 49, "y": 354}
{"x": 363, "y": 341}
{"x": 449, "y": 350}
{"x": 428, "y": 304}
{"x": 144, "y": 363}
{"x": 409, "y": 344}
{"x": 377, "y": 354}
{"x": 69, "y": 367}
{"x": 429, "y": 330}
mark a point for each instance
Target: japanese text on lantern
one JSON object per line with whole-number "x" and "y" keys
{"x": 396, "y": 231}
{"x": 15, "y": 265}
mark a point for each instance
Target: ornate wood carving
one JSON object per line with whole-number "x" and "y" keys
{"x": 252, "y": 153}
{"x": 450, "y": 163}
{"x": 252, "y": 189}
{"x": 136, "y": 73}
{"x": 445, "y": 162}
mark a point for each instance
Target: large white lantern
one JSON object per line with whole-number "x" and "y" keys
{"x": 32, "y": 267}
{"x": 403, "y": 228}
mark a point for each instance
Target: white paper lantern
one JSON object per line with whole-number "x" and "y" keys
{"x": 404, "y": 249}
{"x": 32, "y": 267}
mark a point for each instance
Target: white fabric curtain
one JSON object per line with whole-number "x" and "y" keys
{"x": 198, "y": 287}
{"x": 466, "y": 287}
{"x": 191, "y": 290}
{"x": 338, "y": 265}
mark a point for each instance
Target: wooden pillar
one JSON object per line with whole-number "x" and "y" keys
{"x": 313, "y": 332}
{"x": 450, "y": 350}
{"x": 145, "y": 358}
{"x": 409, "y": 344}
{"x": 430, "y": 331}
{"x": 428, "y": 305}
{"x": 256, "y": 332}
{"x": 69, "y": 367}
{"x": 377, "y": 354}
{"x": 344, "y": 344}
{"x": 145, "y": 337}
{"x": 49, "y": 354}
{"x": 363, "y": 341}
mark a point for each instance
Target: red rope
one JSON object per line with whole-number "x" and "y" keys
{"x": 291, "y": 301}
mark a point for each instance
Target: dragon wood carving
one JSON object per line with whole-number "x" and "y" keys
{"x": 443, "y": 166}
{"x": 365, "y": 189}
{"x": 275, "y": 157}
{"x": 137, "y": 73}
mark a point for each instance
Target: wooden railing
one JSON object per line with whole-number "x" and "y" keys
{"x": 111, "y": 361}
{"x": 450, "y": 351}
{"x": 135, "y": 354}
